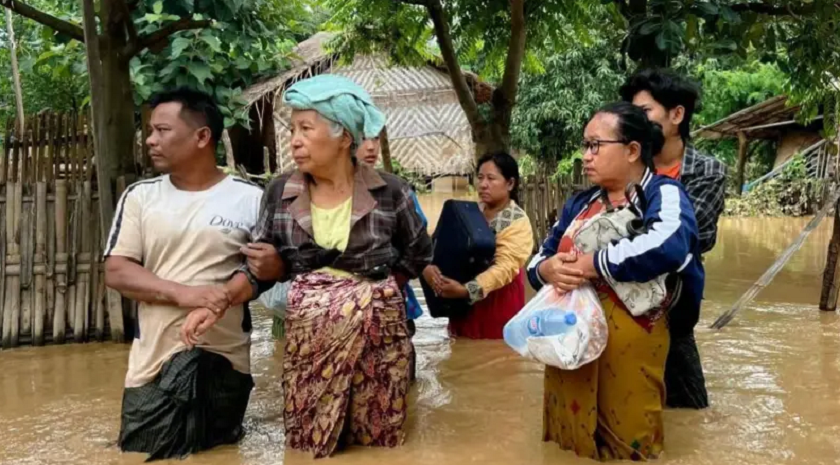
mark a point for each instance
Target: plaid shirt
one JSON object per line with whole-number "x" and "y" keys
{"x": 704, "y": 178}
{"x": 385, "y": 228}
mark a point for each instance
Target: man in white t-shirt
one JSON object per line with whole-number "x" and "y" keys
{"x": 176, "y": 247}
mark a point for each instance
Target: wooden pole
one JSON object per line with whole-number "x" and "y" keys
{"x": 83, "y": 276}
{"x": 115, "y": 307}
{"x": 26, "y": 251}
{"x": 11, "y": 307}
{"x": 385, "y": 145}
{"x": 60, "y": 317}
{"x": 743, "y": 152}
{"x": 40, "y": 265}
{"x": 50, "y": 260}
{"x": 25, "y": 237}
{"x": 97, "y": 286}
{"x": 229, "y": 159}
{"x": 831, "y": 275}
{"x": 72, "y": 260}
{"x": 774, "y": 269}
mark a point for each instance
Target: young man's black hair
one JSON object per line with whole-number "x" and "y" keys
{"x": 197, "y": 107}
{"x": 668, "y": 88}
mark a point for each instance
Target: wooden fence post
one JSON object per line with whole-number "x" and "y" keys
{"x": 11, "y": 306}
{"x": 60, "y": 317}
{"x": 115, "y": 306}
{"x": 39, "y": 264}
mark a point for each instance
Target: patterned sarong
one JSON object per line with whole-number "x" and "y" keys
{"x": 346, "y": 363}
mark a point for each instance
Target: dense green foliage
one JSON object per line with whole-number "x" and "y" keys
{"x": 554, "y": 105}
{"x": 59, "y": 84}
{"x": 246, "y": 41}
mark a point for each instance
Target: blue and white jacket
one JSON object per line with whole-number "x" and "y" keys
{"x": 670, "y": 245}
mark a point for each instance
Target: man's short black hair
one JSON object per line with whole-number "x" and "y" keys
{"x": 197, "y": 105}
{"x": 668, "y": 88}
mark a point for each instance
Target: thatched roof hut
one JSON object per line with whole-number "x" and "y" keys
{"x": 427, "y": 129}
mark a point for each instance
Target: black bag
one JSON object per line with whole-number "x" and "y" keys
{"x": 464, "y": 246}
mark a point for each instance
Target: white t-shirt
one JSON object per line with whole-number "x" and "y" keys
{"x": 192, "y": 238}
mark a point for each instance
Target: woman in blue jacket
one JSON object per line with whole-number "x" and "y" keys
{"x": 611, "y": 409}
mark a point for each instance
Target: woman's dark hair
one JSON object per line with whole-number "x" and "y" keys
{"x": 507, "y": 166}
{"x": 668, "y": 88}
{"x": 634, "y": 126}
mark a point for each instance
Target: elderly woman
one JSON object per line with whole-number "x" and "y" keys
{"x": 497, "y": 294}
{"x": 611, "y": 409}
{"x": 349, "y": 237}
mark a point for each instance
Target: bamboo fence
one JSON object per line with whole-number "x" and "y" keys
{"x": 542, "y": 196}
{"x": 52, "y": 284}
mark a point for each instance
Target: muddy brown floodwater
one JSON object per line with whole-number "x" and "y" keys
{"x": 773, "y": 378}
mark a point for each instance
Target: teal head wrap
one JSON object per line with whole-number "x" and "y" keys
{"x": 338, "y": 99}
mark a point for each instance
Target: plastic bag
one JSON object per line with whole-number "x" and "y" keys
{"x": 275, "y": 298}
{"x": 582, "y": 344}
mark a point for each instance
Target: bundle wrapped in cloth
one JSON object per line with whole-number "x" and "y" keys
{"x": 619, "y": 223}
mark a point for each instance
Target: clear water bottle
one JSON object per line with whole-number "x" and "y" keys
{"x": 552, "y": 321}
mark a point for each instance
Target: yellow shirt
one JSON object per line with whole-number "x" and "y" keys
{"x": 331, "y": 228}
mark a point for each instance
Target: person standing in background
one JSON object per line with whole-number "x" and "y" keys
{"x": 498, "y": 293}
{"x": 671, "y": 100}
{"x": 369, "y": 152}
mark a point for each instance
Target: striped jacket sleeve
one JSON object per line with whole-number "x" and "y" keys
{"x": 126, "y": 236}
{"x": 666, "y": 247}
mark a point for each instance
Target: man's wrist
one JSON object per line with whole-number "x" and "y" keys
{"x": 237, "y": 287}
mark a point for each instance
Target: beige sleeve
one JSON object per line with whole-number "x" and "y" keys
{"x": 514, "y": 245}
{"x": 126, "y": 236}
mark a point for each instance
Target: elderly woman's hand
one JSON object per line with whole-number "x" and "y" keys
{"x": 559, "y": 272}
{"x": 197, "y": 323}
{"x": 263, "y": 261}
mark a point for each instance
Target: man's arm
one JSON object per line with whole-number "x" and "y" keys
{"x": 132, "y": 280}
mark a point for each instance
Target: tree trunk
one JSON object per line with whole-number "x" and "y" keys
{"x": 230, "y": 162}
{"x": 386, "y": 150}
{"x": 489, "y": 139}
{"x": 831, "y": 275}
